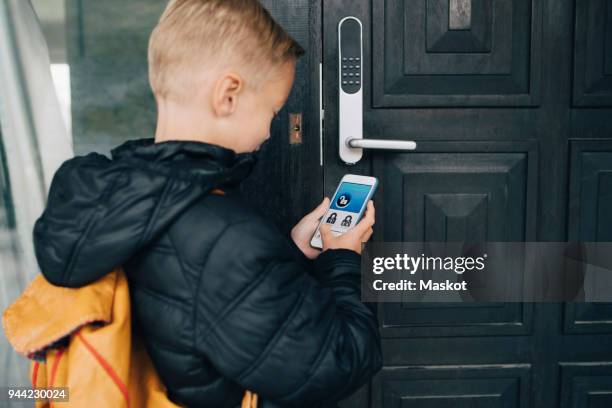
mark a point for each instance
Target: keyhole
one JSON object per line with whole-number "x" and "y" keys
{"x": 295, "y": 128}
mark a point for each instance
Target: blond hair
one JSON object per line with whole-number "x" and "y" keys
{"x": 195, "y": 35}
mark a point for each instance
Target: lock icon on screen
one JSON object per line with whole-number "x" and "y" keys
{"x": 346, "y": 222}
{"x": 331, "y": 219}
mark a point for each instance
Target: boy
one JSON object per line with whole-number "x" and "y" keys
{"x": 223, "y": 300}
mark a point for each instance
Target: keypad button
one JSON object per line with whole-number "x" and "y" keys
{"x": 356, "y": 73}
{"x": 344, "y": 74}
{"x": 350, "y": 82}
{"x": 356, "y": 58}
{"x": 350, "y": 58}
{"x": 344, "y": 66}
{"x": 343, "y": 58}
{"x": 344, "y": 82}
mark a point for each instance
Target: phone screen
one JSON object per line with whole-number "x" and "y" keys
{"x": 345, "y": 206}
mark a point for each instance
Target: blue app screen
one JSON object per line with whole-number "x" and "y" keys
{"x": 350, "y": 197}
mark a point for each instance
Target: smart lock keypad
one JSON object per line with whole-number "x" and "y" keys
{"x": 351, "y": 73}
{"x": 350, "y": 56}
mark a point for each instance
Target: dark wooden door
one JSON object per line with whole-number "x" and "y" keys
{"x": 510, "y": 102}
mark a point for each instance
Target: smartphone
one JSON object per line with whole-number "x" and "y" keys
{"x": 347, "y": 205}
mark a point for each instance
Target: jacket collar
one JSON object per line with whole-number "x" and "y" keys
{"x": 187, "y": 159}
{"x": 170, "y": 150}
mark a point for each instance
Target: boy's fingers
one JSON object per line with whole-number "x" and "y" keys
{"x": 324, "y": 230}
{"x": 321, "y": 208}
{"x": 363, "y": 229}
{"x": 366, "y": 236}
{"x": 360, "y": 229}
{"x": 367, "y": 221}
{"x": 371, "y": 211}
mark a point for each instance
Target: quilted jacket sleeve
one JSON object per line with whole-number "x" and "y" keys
{"x": 298, "y": 338}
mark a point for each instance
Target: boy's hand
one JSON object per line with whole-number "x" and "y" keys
{"x": 305, "y": 229}
{"x": 353, "y": 238}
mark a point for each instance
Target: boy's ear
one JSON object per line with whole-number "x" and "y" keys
{"x": 225, "y": 93}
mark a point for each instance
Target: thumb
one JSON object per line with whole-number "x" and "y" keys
{"x": 325, "y": 230}
{"x": 321, "y": 208}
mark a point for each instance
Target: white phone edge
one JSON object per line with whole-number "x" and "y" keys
{"x": 348, "y": 178}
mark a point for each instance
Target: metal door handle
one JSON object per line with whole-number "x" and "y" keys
{"x": 383, "y": 144}
{"x": 350, "y": 97}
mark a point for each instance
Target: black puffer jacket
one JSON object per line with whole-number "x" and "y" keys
{"x": 224, "y": 301}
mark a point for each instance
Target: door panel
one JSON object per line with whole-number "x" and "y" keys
{"x": 586, "y": 385}
{"x": 456, "y": 53}
{"x": 593, "y": 54}
{"x": 590, "y": 219}
{"x": 406, "y": 320}
{"x": 456, "y": 386}
{"x": 471, "y": 195}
